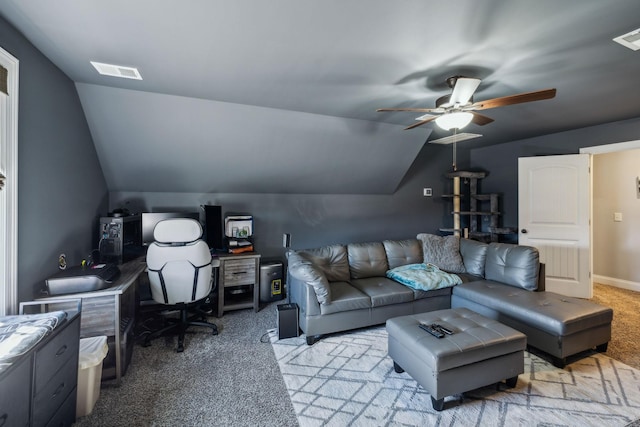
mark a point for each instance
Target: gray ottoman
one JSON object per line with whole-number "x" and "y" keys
{"x": 479, "y": 352}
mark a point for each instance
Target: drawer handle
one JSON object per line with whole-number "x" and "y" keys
{"x": 58, "y": 390}
{"x": 3, "y": 419}
{"x": 239, "y": 272}
{"x": 61, "y": 350}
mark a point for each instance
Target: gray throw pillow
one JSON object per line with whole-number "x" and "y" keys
{"x": 442, "y": 251}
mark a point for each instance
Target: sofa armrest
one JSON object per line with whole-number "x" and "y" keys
{"x": 303, "y": 294}
{"x": 541, "y": 278}
{"x": 302, "y": 269}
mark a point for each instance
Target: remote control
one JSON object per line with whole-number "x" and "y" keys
{"x": 442, "y": 329}
{"x": 431, "y": 330}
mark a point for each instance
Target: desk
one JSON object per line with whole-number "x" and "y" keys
{"x": 111, "y": 312}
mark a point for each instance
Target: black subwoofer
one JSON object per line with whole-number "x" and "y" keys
{"x": 287, "y": 320}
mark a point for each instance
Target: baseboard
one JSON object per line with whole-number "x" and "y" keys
{"x": 618, "y": 283}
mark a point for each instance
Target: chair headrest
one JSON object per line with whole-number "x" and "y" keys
{"x": 177, "y": 230}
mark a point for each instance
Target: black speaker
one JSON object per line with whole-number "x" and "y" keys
{"x": 213, "y": 226}
{"x": 287, "y": 320}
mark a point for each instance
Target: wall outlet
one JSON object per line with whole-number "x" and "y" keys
{"x": 617, "y": 216}
{"x": 427, "y": 192}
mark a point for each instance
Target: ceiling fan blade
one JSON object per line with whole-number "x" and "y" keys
{"x": 415, "y": 125}
{"x": 463, "y": 90}
{"x": 515, "y": 99}
{"x": 480, "y": 119}
{"x": 415, "y": 110}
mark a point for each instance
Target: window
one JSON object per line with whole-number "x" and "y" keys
{"x": 9, "y": 191}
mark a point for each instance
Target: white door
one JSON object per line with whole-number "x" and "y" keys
{"x": 554, "y": 207}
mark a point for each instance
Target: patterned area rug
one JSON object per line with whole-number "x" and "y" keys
{"x": 348, "y": 380}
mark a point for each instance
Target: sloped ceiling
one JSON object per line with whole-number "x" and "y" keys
{"x": 280, "y": 96}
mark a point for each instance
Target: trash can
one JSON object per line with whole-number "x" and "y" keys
{"x": 271, "y": 281}
{"x": 92, "y": 352}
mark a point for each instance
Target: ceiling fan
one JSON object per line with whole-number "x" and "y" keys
{"x": 456, "y": 110}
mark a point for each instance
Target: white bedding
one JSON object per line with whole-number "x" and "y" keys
{"x": 18, "y": 334}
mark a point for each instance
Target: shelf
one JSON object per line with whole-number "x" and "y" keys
{"x": 503, "y": 230}
{"x": 479, "y": 234}
{"x": 483, "y": 197}
{"x": 475, "y": 213}
{"x": 466, "y": 174}
{"x": 450, "y": 230}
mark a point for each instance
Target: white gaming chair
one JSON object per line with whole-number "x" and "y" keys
{"x": 180, "y": 274}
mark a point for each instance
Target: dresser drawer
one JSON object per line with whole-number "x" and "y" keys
{"x": 66, "y": 414}
{"x": 15, "y": 393}
{"x": 51, "y": 357}
{"x": 239, "y": 272}
{"x": 55, "y": 393}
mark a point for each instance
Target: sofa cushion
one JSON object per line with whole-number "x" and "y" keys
{"x": 345, "y": 298}
{"x": 554, "y": 313}
{"x": 331, "y": 260}
{"x": 515, "y": 265}
{"x": 367, "y": 260}
{"x": 403, "y": 252}
{"x": 300, "y": 267}
{"x": 383, "y": 291}
{"x": 442, "y": 251}
{"x": 474, "y": 255}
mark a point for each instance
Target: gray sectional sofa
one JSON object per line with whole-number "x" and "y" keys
{"x": 343, "y": 287}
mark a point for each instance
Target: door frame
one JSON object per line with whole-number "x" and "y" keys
{"x": 604, "y": 149}
{"x": 9, "y": 194}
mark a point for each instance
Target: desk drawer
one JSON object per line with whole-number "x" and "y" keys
{"x": 239, "y": 272}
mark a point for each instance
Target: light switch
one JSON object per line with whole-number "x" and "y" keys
{"x": 617, "y": 216}
{"x": 427, "y": 192}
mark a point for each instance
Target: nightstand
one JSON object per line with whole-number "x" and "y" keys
{"x": 238, "y": 282}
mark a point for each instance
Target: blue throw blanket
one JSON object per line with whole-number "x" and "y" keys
{"x": 425, "y": 277}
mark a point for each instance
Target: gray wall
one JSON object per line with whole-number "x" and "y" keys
{"x": 500, "y": 161}
{"x": 315, "y": 220}
{"x": 61, "y": 189}
{"x": 616, "y": 244}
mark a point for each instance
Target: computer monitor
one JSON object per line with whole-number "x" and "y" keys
{"x": 150, "y": 219}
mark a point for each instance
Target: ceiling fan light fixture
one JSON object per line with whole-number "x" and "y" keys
{"x": 455, "y": 120}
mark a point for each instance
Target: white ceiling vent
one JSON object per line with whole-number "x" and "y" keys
{"x": 457, "y": 138}
{"x": 117, "y": 71}
{"x": 630, "y": 40}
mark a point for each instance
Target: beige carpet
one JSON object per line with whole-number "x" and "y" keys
{"x": 624, "y": 345}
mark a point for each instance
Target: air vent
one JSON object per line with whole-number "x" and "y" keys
{"x": 457, "y": 138}
{"x": 630, "y": 40}
{"x": 117, "y": 71}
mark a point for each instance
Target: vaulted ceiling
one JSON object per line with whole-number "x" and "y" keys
{"x": 281, "y": 96}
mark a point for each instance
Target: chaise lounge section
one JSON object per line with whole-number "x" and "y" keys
{"x": 343, "y": 287}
